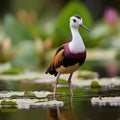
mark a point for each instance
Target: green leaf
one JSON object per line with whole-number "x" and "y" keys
{"x": 62, "y": 81}
{"x": 13, "y": 71}
{"x": 95, "y": 87}
{"x": 29, "y": 94}
{"x": 15, "y": 30}
{"x": 6, "y": 102}
{"x": 8, "y": 110}
{"x": 62, "y": 27}
{"x": 26, "y": 56}
{"x": 87, "y": 74}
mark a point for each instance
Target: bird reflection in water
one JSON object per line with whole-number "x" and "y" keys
{"x": 58, "y": 113}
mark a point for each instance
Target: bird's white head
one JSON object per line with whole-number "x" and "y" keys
{"x": 76, "y": 21}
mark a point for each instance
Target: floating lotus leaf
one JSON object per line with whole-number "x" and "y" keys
{"x": 87, "y": 74}
{"x": 29, "y": 103}
{"x": 39, "y": 99}
{"x": 103, "y": 101}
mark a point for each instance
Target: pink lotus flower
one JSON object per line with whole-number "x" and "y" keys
{"x": 111, "y": 16}
{"x": 112, "y": 69}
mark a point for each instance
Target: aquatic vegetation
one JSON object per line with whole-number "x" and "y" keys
{"x": 96, "y": 54}
{"x": 29, "y": 94}
{"x": 43, "y": 51}
{"x": 102, "y": 82}
{"x": 95, "y": 87}
{"x": 13, "y": 70}
{"x": 21, "y": 103}
{"x": 94, "y": 84}
{"x": 14, "y": 96}
{"x": 8, "y": 102}
{"x": 39, "y": 99}
{"x": 22, "y": 76}
{"x": 62, "y": 81}
{"x": 111, "y": 16}
{"x": 4, "y": 67}
{"x": 87, "y": 75}
{"x": 6, "y": 110}
{"x": 37, "y": 94}
{"x": 6, "y": 54}
{"x": 6, "y": 94}
{"x": 62, "y": 31}
{"x": 104, "y": 101}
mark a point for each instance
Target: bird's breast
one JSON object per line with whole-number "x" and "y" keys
{"x": 71, "y": 58}
{"x": 71, "y": 63}
{"x": 70, "y": 54}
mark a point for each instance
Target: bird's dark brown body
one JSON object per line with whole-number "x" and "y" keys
{"x": 65, "y": 62}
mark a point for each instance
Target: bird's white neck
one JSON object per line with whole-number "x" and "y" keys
{"x": 77, "y": 44}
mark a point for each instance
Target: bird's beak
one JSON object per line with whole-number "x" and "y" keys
{"x": 83, "y": 26}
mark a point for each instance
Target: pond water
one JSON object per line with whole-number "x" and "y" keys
{"x": 77, "y": 107}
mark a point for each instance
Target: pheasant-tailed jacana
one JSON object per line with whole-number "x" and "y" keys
{"x": 69, "y": 56}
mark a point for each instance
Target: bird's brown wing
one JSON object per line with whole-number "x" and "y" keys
{"x": 56, "y": 62}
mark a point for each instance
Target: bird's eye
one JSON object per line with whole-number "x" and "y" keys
{"x": 74, "y": 20}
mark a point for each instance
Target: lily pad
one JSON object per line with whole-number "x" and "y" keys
{"x": 4, "y": 67}
{"x": 97, "y": 54}
{"x": 87, "y": 74}
{"x": 95, "y": 87}
{"x": 8, "y": 102}
{"x": 22, "y": 76}
{"x": 103, "y": 101}
{"x": 29, "y": 103}
{"x": 39, "y": 99}
{"x": 103, "y": 82}
{"x": 13, "y": 71}
{"x": 29, "y": 94}
{"x": 38, "y": 94}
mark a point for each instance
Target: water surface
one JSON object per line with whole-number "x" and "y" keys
{"x": 77, "y": 107}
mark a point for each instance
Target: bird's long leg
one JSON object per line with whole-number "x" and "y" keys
{"x": 69, "y": 83}
{"x": 71, "y": 103}
{"x": 55, "y": 86}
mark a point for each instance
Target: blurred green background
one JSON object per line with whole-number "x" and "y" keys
{"x": 30, "y": 32}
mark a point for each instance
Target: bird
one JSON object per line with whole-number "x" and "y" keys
{"x": 69, "y": 56}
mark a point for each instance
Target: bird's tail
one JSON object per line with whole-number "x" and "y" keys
{"x": 51, "y": 70}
